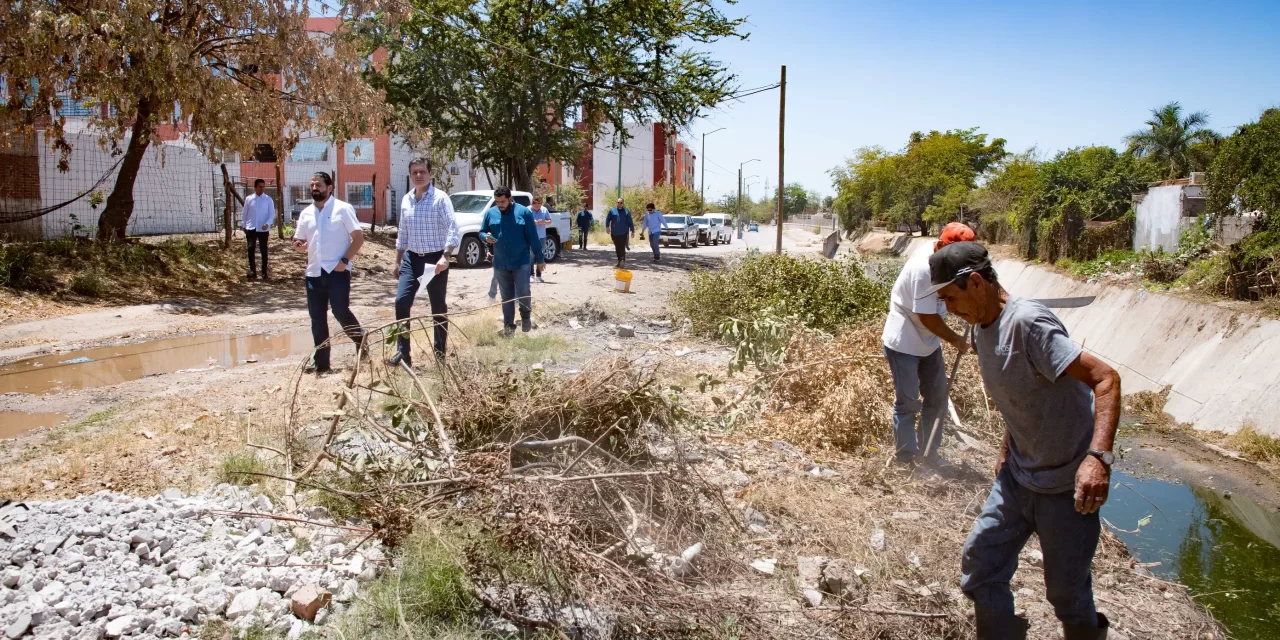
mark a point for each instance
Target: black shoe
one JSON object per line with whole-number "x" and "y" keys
{"x": 251, "y": 276}
{"x": 507, "y": 332}
{"x": 311, "y": 368}
{"x": 394, "y": 361}
{"x": 526, "y": 325}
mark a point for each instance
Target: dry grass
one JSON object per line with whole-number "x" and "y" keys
{"x": 1254, "y": 445}
{"x": 928, "y": 518}
{"x": 837, "y": 393}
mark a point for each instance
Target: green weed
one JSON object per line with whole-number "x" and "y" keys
{"x": 239, "y": 468}
{"x": 823, "y": 294}
{"x": 94, "y": 419}
{"x": 88, "y": 283}
{"x": 428, "y": 596}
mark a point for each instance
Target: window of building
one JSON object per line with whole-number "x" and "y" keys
{"x": 359, "y": 151}
{"x": 73, "y": 108}
{"x": 360, "y": 194}
{"x": 310, "y": 151}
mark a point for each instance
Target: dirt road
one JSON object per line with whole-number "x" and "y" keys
{"x": 179, "y": 362}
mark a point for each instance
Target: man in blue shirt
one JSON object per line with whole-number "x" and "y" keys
{"x": 511, "y": 233}
{"x": 654, "y": 223}
{"x": 542, "y": 218}
{"x": 584, "y": 222}
{"x": 619, "y": 224}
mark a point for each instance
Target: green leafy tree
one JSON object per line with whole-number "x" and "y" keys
{"x": 794, "y": 199}
{"x": 509, "y": 78}
{"x": 827, "y": 203}
{"x": 1178, "y": 144}
{"x": 1245, "y": 177}
{"x": 900, "y": 187}
{"x": 228, "y": 73}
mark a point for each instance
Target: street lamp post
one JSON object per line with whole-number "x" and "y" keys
{"x": 702, "y": 195}
{"x": 739, "y": 198}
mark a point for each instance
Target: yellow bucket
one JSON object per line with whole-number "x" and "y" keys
{"x": 622, "y": 281}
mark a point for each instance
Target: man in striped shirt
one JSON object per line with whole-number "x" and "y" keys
{"x": 427, "y": 237}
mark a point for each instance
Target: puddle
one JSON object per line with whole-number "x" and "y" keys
{"x": 16, "y": 423}
{"x": 121, "y": 363}
{"x": 1226, "y": 550}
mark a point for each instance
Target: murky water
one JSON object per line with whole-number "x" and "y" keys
{"x": 16, "y": 423}
{"x": 1226, "y": 549}
{"x": 122, "y": 363}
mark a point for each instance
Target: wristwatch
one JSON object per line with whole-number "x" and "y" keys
{"x": 346, "y": 261}
{"x": 1106, "y": 457}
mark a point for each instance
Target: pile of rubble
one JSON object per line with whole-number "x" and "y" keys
{"x": 114, "y": 565}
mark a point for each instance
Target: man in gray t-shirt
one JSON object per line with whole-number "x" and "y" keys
{"x": 1061, "y": 407}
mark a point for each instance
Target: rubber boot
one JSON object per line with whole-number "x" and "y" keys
{"x": 1077, "y": 632}
{"x": 995, "y": 625}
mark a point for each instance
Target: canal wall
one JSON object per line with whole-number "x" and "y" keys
{"x": 1223, "y": 366}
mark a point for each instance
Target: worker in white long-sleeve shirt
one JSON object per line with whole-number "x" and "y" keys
{"x": 259, "y": 215}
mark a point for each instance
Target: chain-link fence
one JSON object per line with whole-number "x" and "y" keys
{"x": 178, "y": 190}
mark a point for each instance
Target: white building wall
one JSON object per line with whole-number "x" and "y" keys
{"x": 1157, "y": 218}
{"x": 636, "y": 161}
{"x": 174, "y": 191}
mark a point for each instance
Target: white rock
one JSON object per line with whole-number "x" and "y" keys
{"x": 189, "y": 569}
{"x": 877, "y": 540}
{"x": 813, "y": 597}
{"x": 244, "y": 604}
{"x": 764, "y": 565}
{"x": 172, "y": 494}
{"x": 906, "y": 515}
{"x": 356, "y": 566}
{"x": 253, "y": 538}
{"x": 121, "y": 626}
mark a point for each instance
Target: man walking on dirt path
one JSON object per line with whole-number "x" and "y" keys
{"x": 620, "y": 227}
{"x": 1061, "y": 407}
{"x": 654, "y": 223}
{"x": 259, "y": 214}
{"x": 542, "y": 218}
{"x": 584, "y": 222}
{"x": 511, "y": 233}
{"x": 428, "y": 236}
{"x": 912, "y": 341}
{"x": 329, "y": 233}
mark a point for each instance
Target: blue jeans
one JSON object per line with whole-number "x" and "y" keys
{"x": 914, "y": 377}
{"x": 654, "y": 243}
{"x": 331, "y": 289}
{"x": 514, "y": 284}
{"x": 990, "y": 557}
{"x": 411, "y": 268}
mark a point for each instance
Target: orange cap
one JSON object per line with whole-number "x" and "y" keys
{"x": 955, "y": 232}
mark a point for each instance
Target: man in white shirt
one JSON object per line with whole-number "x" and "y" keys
{"x": 428, "y": 236}
{"x": 329, "y": 233}
{"x": 654, "y": 223}
{"x": 912, "y": 339}
{"x": 541, "y": 218}
{"x": 259, "y": 214}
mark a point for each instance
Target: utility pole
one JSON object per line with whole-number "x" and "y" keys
{"x": 782, "y": 127}
{"x": 618, "y": 141}
{"x": 737, "y": 201}
{"x": 702, "y": 207}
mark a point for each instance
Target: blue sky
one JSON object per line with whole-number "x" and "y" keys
{"x": 1052, "y": 75}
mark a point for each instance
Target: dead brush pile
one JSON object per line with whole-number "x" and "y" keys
{"x": 589, "y": 522}
{"x": 836, "y": 392}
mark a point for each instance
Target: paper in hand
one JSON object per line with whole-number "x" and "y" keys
{"x": 423, "y": 281}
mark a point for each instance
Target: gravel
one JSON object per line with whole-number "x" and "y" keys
{"x": 109, "y": 565}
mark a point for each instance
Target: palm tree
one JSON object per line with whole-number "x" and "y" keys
{"x": 1171, "y": 140}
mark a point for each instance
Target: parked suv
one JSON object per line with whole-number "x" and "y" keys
{"x": 721, "y": 228}
{"x": 679, "y": 229}
{"x": 469, "y": 208}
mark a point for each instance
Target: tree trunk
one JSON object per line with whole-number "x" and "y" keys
{"x": 114, "y": 220}
{"x": 521, "y": 177}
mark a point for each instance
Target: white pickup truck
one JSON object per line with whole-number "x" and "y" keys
{"x": 469, "y": 208}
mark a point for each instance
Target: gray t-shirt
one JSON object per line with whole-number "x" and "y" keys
{"x": 1023, "y": 356}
